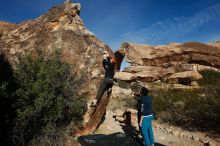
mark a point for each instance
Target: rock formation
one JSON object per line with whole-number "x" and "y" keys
{"x": 118, "y": 92}
{"x": 173, "y": 63}
{"x": 5, "y": 26}
{"x": 61, "y": 28}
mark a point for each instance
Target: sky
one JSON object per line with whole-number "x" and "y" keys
{"x": 152, "y": 22}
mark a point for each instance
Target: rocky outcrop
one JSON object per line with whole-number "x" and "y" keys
{"x": 61, "y": 28}
{"x": 120, "y": 92}
{"x": 124, "y": 76}
{"x": 149, "y": 73}
{"x": 192, "y": 52}
{"x": 173, "y": 63}
{"x": 6, "y": 26}
{"x": 184, "y": 77}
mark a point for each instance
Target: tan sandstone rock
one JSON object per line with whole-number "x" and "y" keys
{"x": 173, "y": 63}
{"x": 184, "y": 77}
{"x": 149, "y": 73}
{"x": 61, "y": 28}
{"x": 124, "y": 76}
{"x": 120, "y": 92}
{"x": 191, "y": 52}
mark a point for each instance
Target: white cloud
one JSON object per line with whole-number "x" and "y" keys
{"x": 169, "y": 29}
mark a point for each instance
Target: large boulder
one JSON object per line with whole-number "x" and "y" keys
{"x": 61, "y": 28}
{"x": 184, "y": 77}
{"x": 173, "y": 63}
{"x": 149, "y": 73}
{"x": 120, "y": 92}
{"x": 124, "y": 76}
{"x": 191, "y": 52}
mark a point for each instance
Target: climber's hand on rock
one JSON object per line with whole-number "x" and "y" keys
{"x": 105, "y": 54}
{"x": 95, "y": 102}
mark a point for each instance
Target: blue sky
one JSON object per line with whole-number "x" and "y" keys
{"x": 139, "y": 21}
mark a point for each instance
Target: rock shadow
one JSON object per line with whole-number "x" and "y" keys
{"x": 7, "y": 112}
{"x": 131, "y": 130}
{"x": 128, "y": 128}
{"x": 115, "y": 139}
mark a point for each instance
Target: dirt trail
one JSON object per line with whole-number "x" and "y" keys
{"x": 165, "y": 134}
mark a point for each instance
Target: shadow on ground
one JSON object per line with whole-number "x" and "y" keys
{"x": 7, "y": 111}
{"x": 115, "y": 139}
{"x": 130, "y": 137}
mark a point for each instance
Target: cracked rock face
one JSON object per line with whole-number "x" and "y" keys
{"x": 173, "y": 63}
{"x": 61, "y": 28}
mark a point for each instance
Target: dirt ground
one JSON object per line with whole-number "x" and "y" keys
{"x": 165, "y": 134}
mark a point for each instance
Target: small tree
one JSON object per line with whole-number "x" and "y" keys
{"x": 47, "y": 98}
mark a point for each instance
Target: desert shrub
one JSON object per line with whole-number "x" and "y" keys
{"x": 123, "y": 84}
{"x": 210, "y": 78}
{"x": 134, "y": 86}
{"x": 193, "y": 108}
{"x": 122, "y": 103}
{"x": 47, "y": 99}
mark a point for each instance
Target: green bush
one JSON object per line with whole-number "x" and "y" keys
{"x": 47, "y": 99}
{"x": 193, "y": 108}
{"x": 134, "y": 86}
{"x": 210, "y": 78}
{"x": 123, "y": 84}
{"x": 122, "y": 103}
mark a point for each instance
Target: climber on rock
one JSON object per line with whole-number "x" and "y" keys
{"x": 107, "y": 83}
